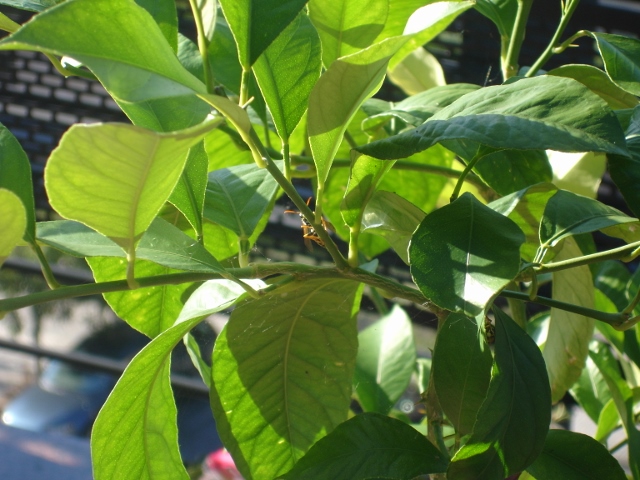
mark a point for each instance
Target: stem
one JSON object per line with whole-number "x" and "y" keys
{"x": 465, "y": 172}
{"x": 567, "y": 13}
{"x": 243, "y": 251}
{"x": 616, "y": 320}
{"x": 295, "y": 197}
{"x": 354, "y": 252}
{"x": 297, "y": 271}
{"x": 632, "y": 304}
{"x": 244, "y": 87}
{"x": 347, "y": 136}
{"x": 510, "y": 64}
{"x": 613, "y": 254}
{"x": 287, "y": 160}
{"x": 378, "y": 301}
{"x": 435, "y": 415}
{"x": 203, "y": 46}
{"x": 46, "y": 268}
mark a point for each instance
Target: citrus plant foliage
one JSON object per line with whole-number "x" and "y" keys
{"x": 487, "y": 193}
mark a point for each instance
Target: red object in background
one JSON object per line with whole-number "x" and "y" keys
{"x": 219, "y": 466}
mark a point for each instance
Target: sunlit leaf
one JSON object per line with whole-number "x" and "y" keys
{"x": 591, "y": 391}
{"x": 461, "y": 370}
{"x": 579, "y": 173}
{"x": 386, "y": 356}
{"x": 514, "y": 419}
{"x": 458, "y": 261}
{"x": 567, "y": 345}
{"x": 347, "y": 26}
{"x": 417, "y": 72}
{"x": 87, "y": 29}
{"x": 115, "y": 177}
{"x": 273, "y": 400}
{"x": 369, "y": 446}
{"x": 537, "y": 113}
{"x": 13, "y": 222}
{"x": 165, "y": 14}
{"x": 620, "y": 55}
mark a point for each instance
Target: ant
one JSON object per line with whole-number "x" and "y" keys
{"x": 308, "y": 231}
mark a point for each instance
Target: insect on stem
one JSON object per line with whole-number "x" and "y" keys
{"x": 308, "y": 230}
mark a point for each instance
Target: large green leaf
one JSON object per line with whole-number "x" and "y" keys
{"x": 461, "y": 370}
{"x": 591, "y": 390}
{"x": 623, "y": 399}
{"x": 386, "y": 357}
{"x": 393, "y": 218}
{"x": 13, "y": 222}
{"x": 165, "y": 14}
{"x": 417, "y": 72}
{"x": 369, "y": 446}
{"x": 162, "y": 243}
{"x": 574, "y": 456}
{"x": 15, "y": 176}
{"x": 337, "y": 96}
{"x": 526, "y": 208}
{"x": 501, "y": 12}
{"x": 287, "y": 72}
{"x": 567, "y": 344}
{"x": 568, "y": 214}
{"x": 544, "y": 112}
{"x": 33, "y": 5}
{"x": 427, "y": 22}
{"x": 347, "y": 26}
{"x": 135, "y": 434}
{"x": 237, "y": 197}
{"x": 620, "y": 55}
{"x": 598, "y": 82}
{"x": 507, "y": 171}
{"x": 256, "y": 24}
{"x": 282, "y": 371}
{"x": 118, "y": 40}
{"x": 463, "y": 254}
{"x": 579, "y": 173}
{"x": 514, "y": 419}
{"x": 625, "y": 171}
{"x": 115, "y": 177}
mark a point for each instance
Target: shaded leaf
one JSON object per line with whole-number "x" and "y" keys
{"x": 458, "y": 262}
{"x": 574, "y": 456}
{"x": 461, "y": 370}
{"x": 165, "y": 14}
{"x": 273, "y": 400}
{"x": 608, "y": 421}
{"x": 85, "y": 29}
{"x": 625, "y": 171}
{"x": 501, "y": 12}
{"x": 591, "y": 391}
{"x": 393, "y": 218}
{"x": 256, "y": 24}
{"x": 508, "y": 171}
{"x": 32, "y": 5}
{"x": 537, "y": 113}
{"x": 287, "y": 72}
{"x": 620, "y": 56}
{"x": 567, "y": 344}
{"x": 369, "y": 446}
{"x": 385, "y": 361}
{"x": 347, "y": 26}
{"x": 514, "y": 419}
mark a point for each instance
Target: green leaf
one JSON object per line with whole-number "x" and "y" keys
{"x": 623, "y": 399}
{"x": 574, "y": 456}
{"x": 115, "y": 177}
{"x": 86, "y": 29}
{"x": 188, "y": 194}
{"x": 385, "y": 361}
{"x": 393, "y": 218}
{"x": 591, "y": 391}
{"x": 347, "y": 26}
{"x": 625, "y": 171}
{"x": 149, "y": 310}
{"x": 620, "y": 55}
{"x": 608, "y": 421}
{"x": 162, "y": 243}
{"x": 461, "y": 370}
{"x": 13, "y": 222}
{"x": 535, "y": 113}
{"x": 287, "y": 72}
{"x": 165, "y": 14}
{"x": 514, "y": 419}
{"x": 369, "y": 446}
{"x": 598, "y": 82}
{"x": 7, "y": 24}
{"x": 427, "y": 22}
{"x": 501, "y": 12}
{"x": 256, "y": 24}
{"x": 611, "y": 279}
{"x": 15, "y": 176}
{"x": 135, "y": 434}
{"x": 567, "y": 214}
{"x": 338, "y": 94}
{"x": 526, "y": 208}
{"x": 272, "y": 399}
{"x": 579, "y": 173}
{"x": 417, "y": 72}
{"x": 507, "y": 171}
{"x": 463, "y": 254}
{"x": 567, "y": 345}
{"x": 32, "y": 5}
{"x": 238, "y": 197}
